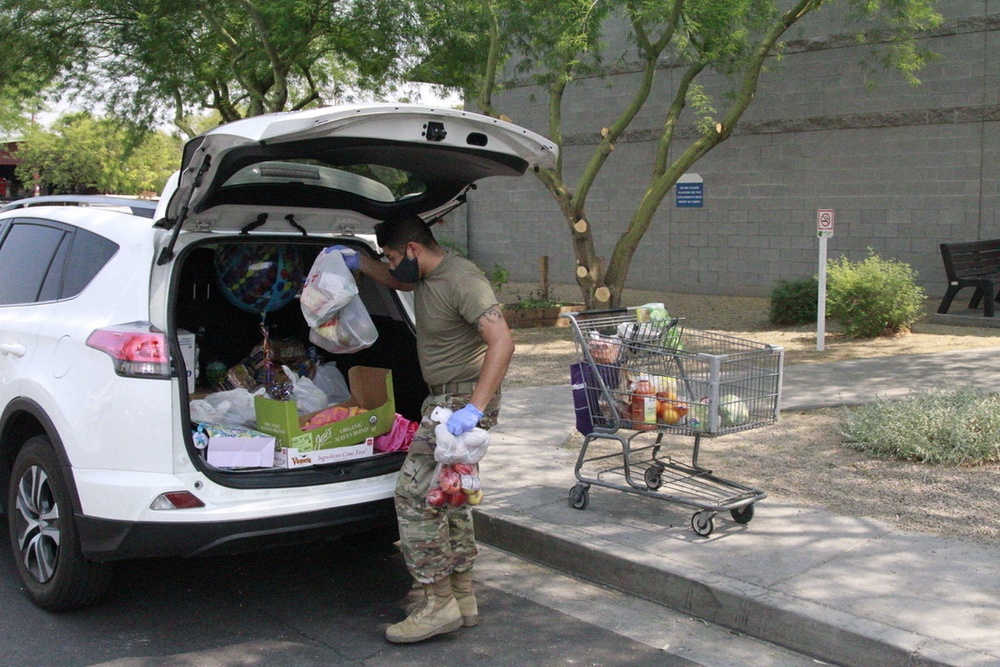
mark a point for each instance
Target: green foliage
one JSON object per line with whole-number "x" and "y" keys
{"x": 38, "y": 41}
{"x": 956, "y": 427}
{"x": 483, "y": 44}
{"x": 82, "y": 153}
{"x": 498, "y": 278}
{"x": 533, "y": 300}
{"x": 794, "y": 301}
{"x": 873, "y": 297}
{"x": 154, "y": 61}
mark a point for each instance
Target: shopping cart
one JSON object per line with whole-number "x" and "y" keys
{"x": 653, "y": 378}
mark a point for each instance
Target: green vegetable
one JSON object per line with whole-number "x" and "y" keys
{"x": 733, "y": 411}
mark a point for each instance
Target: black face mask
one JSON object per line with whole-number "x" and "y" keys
{"x": 407, "y": 271}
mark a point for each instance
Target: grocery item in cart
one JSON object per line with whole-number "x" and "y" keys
{"x": 644, "y": 404}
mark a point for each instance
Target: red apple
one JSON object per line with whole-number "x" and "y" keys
{"x": 464, "y": 468}
{"x": 436, "y": 497}
{"x": 457, "y": 499}
{"x": 451, "y": 482}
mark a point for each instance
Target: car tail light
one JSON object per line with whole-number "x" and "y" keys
{"x": 138, "y": 349}
{"x": 176, "y": 500}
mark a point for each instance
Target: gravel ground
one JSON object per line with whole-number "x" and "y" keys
{"x": 801, "y": 458}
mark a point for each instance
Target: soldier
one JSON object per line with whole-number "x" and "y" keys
{"x": 464, "y": 348}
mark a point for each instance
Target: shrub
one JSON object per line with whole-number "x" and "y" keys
{"x": 533, "y": 300}
{"x": 498, "y": 278}
{"x": 794, "y": 301}
{"x": 958, "y": 427}
{"x": 873, "y": 297}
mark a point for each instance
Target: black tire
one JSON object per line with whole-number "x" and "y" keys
{"x": 742, "y": 514}
{"x": 43, "y": 535}
{"x": 653, "y": 477}
{"x": 579, "y": 497}
{"x": 703, "y": 523}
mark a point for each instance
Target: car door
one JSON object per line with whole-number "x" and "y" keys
{"x": 28, "y": 251}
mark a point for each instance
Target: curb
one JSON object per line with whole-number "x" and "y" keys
{"x": 800, "y": 625}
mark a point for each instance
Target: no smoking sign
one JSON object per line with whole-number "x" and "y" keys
{"x": 824, "y": 222}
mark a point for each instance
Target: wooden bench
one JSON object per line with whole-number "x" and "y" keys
{"x": 972, "y": 264}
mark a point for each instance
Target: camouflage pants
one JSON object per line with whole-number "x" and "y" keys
{"x": 435, "y": 541}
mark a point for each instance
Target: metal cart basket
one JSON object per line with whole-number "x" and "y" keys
{"x": 652, "y": 378}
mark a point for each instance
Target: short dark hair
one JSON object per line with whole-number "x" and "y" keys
{"x": 397, "y": 231}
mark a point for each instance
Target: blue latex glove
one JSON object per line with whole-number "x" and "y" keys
{"x": 351, "y": 257}
{"x": 464, "y": 420}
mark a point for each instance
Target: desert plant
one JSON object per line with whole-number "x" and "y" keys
{"x": 498, "y": 278}
{"x": 533, "y": 300}
{"x": 794, "y": 301}
{"x": 957, "y": 426}
{"x": 873, "y": 297}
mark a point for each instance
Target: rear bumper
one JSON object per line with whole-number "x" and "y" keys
{"x": 107, "y": 539}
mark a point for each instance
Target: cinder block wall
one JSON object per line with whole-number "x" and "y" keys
{"x": 905, "y": 168}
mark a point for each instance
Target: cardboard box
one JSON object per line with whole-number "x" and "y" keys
{"x": 238, "y": 447}
{"x": 286, "y": 457}
{"x": 371, "y": 389}
{"x": 189, "y": 351}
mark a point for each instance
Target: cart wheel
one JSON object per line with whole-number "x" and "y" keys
{"x": 703, "y": 523}
{"x": 579, "y": 497}
{"x": 742, "y": 514}
{"x": 653, "y": 477}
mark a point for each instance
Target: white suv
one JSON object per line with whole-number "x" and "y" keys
{"x": 97, "y": 460}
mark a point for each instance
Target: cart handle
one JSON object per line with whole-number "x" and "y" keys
{"x": 589, "y": 313}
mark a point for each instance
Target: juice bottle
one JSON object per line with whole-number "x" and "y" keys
{"x": 644, "y": 406}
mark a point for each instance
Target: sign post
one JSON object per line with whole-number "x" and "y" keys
{"x": 824, "y": 230}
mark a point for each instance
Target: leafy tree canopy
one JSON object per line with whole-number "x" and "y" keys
{"x": 153, "y": 61}
{"x": 717, "y": 50}
{"x": 82, "y": 154}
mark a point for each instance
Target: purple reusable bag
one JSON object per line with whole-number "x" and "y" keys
{"x": 583, "y": 397}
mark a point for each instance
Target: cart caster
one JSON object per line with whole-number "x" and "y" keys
{"x": 653, "y": 477}
{"x": 742, "y": 514}
{"x": 703, "y": 523}
{"x": 579, "y": 496}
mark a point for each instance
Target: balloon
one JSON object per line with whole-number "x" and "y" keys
{"x": 259, "y": 278}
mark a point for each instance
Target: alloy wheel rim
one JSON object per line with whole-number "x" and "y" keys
{"x": 37, "y": 524}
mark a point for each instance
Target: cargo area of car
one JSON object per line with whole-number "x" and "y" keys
{"x": 246, "y": 330}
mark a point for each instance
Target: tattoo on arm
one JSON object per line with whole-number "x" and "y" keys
{"x": 491, "y": 315}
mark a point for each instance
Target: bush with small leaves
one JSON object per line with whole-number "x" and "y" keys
{"x": 873, "y": 297}
{"x": 794, "y": 301}
{"x": 948, "y": 426}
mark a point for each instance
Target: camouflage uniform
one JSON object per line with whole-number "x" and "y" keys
{"x": 435, "y": 541}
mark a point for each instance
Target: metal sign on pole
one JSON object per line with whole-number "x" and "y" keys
{"x": 824, "y": 230}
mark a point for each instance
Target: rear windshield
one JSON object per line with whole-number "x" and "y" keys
{"x": 375, "y": 182}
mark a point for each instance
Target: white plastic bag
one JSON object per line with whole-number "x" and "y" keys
{"x": 308, "y": 397}
{"x": 348, "y": 331}
{"x": 328, "y": 288}
{"x": 225, "y": 407}
{"x": 329, "y": 378}
{"x": 470, "y": 447}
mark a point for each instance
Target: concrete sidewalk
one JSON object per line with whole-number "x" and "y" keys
{"x": 847, "y": 590}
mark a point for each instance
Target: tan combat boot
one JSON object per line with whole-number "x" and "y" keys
{"x": 461, "y": 587}
{"x": 414, "y": 598}
{"x": 438, "y": 614}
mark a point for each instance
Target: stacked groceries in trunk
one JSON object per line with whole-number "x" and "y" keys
{"x": 280, "y": 407}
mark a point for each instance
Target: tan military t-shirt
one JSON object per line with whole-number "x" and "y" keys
{"x": 447, "y": 302}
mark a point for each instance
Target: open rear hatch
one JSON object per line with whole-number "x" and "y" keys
{"x": 373, "y": 161}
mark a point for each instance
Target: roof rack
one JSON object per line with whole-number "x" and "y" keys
{"x": 141, "y": 207}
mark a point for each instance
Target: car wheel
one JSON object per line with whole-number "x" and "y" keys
{"x": 43, "y": 534}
